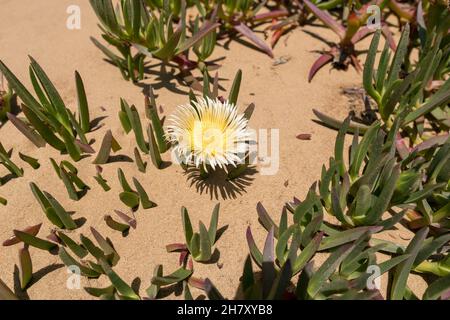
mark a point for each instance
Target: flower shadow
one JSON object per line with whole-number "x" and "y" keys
{"x": 218, "y": 186}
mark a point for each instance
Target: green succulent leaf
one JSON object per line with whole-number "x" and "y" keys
{"x": 175, "y": 277}
{"x": 121, "y": 286}
{"x": 25, "y": 266}
{"x": 142, "y": 196}
{"x": 403, "y": 269}
{"x": 34, "y": 241}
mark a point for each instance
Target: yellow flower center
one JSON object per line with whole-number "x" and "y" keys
{"x": 208, "y": 137}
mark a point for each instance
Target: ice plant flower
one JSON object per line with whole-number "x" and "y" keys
{"x": 209, "y": 133}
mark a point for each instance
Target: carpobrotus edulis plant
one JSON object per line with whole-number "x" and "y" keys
{"x": 209, "y": 134}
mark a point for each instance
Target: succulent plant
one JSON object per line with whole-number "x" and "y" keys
{"x": 32, "y": 230}
{"x": 67, "y": 172}
{"x": 100, "y": 180}
{"x": 394, "y": 94}
{"x": 408, "y": 94}
{"x": 124, "y": 291}
{"x": 343, "y": 54}
{"x": 115, "y": 225}
{"x": 363, "y": 192}
{"x": 241, "y": 16}
{"x": 345, "y": 274}
{"x": 55, "y": 213}
{"x": 198, "y": 245}
{"x": 131, "y": 120}
{"x": 105, "y": 255}
{"x": 427, "y": 20}
{"x": 33, "y": 162}
{"x": 48, "y": 118}
{"x": 152, "y": 33}
{"x": 108, "y": 144}
{"x": 432, "y": 160}
{"x": 159, "y": 280}
{"x": 5, "y": 160}
{"x": 131, "y": 197}
{"x": 28, "y": 237}
{"x": 25, "y": 267}
{"x": 126, "y": 218}
{"x": 433, "y": 257}
{"x": 142, "y": 166}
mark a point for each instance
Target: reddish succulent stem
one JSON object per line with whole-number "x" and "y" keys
{"x": 401, "y": 12}
{"x": 184, "y": 63}
{"x": 271, "y": 15}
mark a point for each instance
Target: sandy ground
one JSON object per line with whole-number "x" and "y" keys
{"x": 283, "y": 99}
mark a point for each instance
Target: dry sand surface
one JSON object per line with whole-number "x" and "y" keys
{"x": 283, "y": 98}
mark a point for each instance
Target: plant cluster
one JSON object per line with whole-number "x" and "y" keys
{"x": 141, "y": 29}
{"x": 416, "y": 99}
{"x": 378, "y": 181}
{"x": 48, "y": 119}
{"x": 397, "y": 173}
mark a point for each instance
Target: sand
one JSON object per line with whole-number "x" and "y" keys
{"x": 283, "y": 98}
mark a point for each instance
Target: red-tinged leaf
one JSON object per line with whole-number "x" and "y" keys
{"x": 254, "y": 251}
{"x": 53, "y": 237}
{"x": 304, "y": 136}
{"x": 389, "y": 38}
{"x": 247, "y": 32}
{"x": 197, "y": 283}
{"x": 265, "y": 219}
{"x": 271, "y": 15}
{"x": 33, "y": 136}
{"x": 320, "y": 62}
{"x": 268, "y": 266}
{"x": 84, "y": 147}
{"x": 326, "y": 18}
{"x": 420, "y": 16}
{"x": 276, "y": 35}
{"x": 183, "y": 257}
{"x": 361, "y": 34}
{"x": 436, "y": 140}
{"x": 126, "y": 218}
{"x": 401, "y": 147}
{"x": 99, "y": 169}
{"x": 176, "y": 247}
{"x": 203, "y": 32}
{"x": 33, "y": 230}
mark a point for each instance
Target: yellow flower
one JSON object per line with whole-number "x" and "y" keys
{"x": 209, "y": 133}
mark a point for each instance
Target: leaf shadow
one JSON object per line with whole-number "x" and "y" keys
{"x": 119, "y": 158}
{"x": 95, "y": 123}
{"x": 176, "y": 288}
{"x": 136, "y": 284}
{"x": 5, "y": 179}
{"x": 163, "y": 78}
{"x": 38, "y": 275}
{"x": 319, "y": 37}
{"x": 217, "y": 185}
